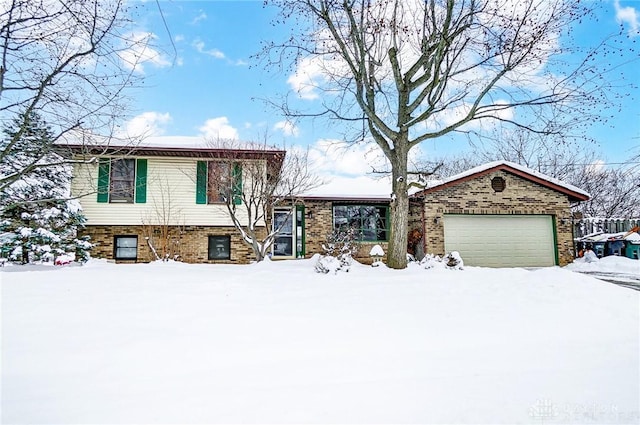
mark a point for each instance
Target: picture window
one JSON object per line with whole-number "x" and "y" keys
{"x": 369, "y": 221}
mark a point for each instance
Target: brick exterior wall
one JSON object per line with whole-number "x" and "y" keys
{"x": 476, "y": 196}
{"x": 320, "y": 224}
{"x": 189, "y": 243}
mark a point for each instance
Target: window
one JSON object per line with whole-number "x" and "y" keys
{"x": 218, "y": 182}
{"x": 369, "y": 221}
{"x": 122, "y": 180}
{"x": 220, "y": 247}
{"x": 125, "y": 247}
{"x": 498, "y": 184}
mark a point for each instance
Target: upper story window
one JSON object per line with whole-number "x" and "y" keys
{"x": 122, "y": 180}
{"x": 370, "y": 221}
{"x": 218, "y": 182}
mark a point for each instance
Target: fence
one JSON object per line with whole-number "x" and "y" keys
{"x": 587, "y": 226}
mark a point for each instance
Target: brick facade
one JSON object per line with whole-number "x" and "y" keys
{"x": 521, "y": 196}
{"x": 319, "y": 224}
{"x": 188, "y": 243}
{"x": 476, "y": 196}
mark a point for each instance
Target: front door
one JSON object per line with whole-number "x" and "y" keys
{"x": 283, "y": 224}
{"x": 289, "y": 223}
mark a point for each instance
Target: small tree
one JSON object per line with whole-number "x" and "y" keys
{"x": 38, "y": 220}
{"x": 162, "y": 234}
{"x": 255, "y": 187}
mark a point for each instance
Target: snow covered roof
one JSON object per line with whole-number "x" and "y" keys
{"x": 348, "y": 198}
{"x": 194, "y": 150}
{"x": 574, "y": 193}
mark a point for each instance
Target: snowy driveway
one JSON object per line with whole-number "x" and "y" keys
{"x": 619, "y": 270}
{"x": 623, "y": 279}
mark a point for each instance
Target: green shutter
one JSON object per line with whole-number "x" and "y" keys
{"x": 237, "y": 183}
{"x": 201, "y": 182}
{"x": 103, "y": 180}
{"x": 300, "y": 231}
{"x": 141, "y": 181}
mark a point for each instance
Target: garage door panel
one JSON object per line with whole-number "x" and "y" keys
{"x": 501, "y": 240}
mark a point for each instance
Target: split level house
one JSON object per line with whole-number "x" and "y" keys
{"x": 149, "y": 202}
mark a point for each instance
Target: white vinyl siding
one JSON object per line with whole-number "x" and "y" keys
{"x": 501, "y": 240}
{"x": 171, "y": 198}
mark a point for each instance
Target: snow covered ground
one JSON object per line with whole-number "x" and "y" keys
{"x": 279, "y": 343}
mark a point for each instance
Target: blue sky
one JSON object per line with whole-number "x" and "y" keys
{"x": 210, "y": 85}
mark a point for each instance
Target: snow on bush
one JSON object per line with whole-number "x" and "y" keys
{"x": 339, "y": 248}
{"x": 451, "y": 261}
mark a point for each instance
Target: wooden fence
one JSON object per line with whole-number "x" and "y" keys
{"x": 587, "y": 226}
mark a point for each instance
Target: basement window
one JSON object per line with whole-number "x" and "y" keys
{"x": 125, "y": 248}
{"x": 220, "y": 247}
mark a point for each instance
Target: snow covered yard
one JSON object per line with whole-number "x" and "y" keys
{"x": 279, "y": 343}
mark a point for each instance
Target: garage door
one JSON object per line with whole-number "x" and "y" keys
{"x": 501, "y": 240}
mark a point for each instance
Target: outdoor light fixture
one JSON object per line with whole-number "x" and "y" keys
{"x": 436, "y": 220}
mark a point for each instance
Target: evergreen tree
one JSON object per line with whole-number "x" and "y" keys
{"x": 38, "y": 221}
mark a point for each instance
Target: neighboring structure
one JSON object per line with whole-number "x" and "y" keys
{"x": 143, "y": 203}
{"x": 166, "y": 199}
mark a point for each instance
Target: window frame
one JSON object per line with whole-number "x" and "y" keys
{"x": 130, "y": 180}
{"x": 223, "y": 188}
{"x": 116, "y": 238}
{"x": 362, "y": 228}
{"x": 227, "y": 239}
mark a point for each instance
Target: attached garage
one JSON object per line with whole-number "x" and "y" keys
{"x": 501, "y": 240}
{"x": 499, "y": 214}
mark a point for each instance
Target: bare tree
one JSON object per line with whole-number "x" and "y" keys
{"x": 252, "y": 189}
{"x": 164, "y": 226}
{"x": 614, "y": 191}
{"x": 406, "y": 71}
{"x": 69, "y": 62}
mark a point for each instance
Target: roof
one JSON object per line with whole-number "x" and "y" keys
{"x": 273, "y": 156}
{"x": 348, "y": 199}
{"x": 574, "y": 193}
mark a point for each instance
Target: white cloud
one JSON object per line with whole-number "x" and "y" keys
{"x": 630, "y": 16}
{"x": 307, "y": 77}
{"x": 287, "y": 128}
{"x": 596, "y": 167}
{"x": 336, "y": 157}
{"x": 140, "y": 52}
{"x": 147, "y": 124}
{"x": 200, "y": 46}
{"x": 178, "y": 38}
{"x": 201, "y": 17}
{"x": 218, "y": 129}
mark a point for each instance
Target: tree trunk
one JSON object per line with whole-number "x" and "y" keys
{"x": 399, "y": 214}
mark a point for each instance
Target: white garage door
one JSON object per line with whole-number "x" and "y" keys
{"x": 501, "y": 240}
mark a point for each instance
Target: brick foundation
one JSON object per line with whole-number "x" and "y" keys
{"x": 188, "y": 243}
